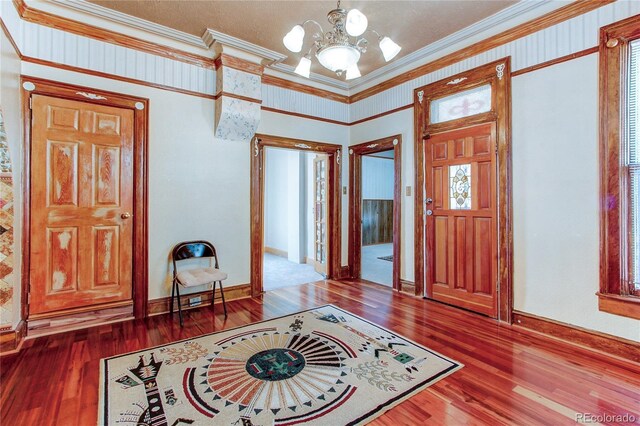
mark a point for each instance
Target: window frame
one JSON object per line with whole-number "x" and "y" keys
{"x": 615, "y": 296}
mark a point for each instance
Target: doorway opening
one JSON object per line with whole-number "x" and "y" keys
{"x": 295, "y": 218}
{"x": 376, "y": 262}
{"x": 322, "y": 169}
{"x": 375, "y": 211}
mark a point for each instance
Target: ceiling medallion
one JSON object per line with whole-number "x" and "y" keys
{"x": 339, "y": 49}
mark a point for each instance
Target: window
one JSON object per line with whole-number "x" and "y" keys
{"x": 462, "y": 104}
{"x": 620, "y": 168}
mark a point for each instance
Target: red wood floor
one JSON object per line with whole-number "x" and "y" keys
{"x": 510, "y": 377}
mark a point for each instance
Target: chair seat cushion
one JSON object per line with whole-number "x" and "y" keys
{"x": 200, "y": 276}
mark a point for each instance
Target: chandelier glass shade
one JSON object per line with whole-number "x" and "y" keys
{"x": 340, "y": 48}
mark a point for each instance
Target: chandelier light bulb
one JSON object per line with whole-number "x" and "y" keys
{"x": 294, "y": 38}
{"x": 352, "y": 72}
{"x": 389, "y": 48}
{"x": 356, "y": 23}
{"x": 304, "y": 67}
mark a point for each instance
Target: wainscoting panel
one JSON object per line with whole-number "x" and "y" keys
{"x": 377, "y": 222}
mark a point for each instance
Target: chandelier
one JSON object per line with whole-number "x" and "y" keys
{"x": 340, "y": 48}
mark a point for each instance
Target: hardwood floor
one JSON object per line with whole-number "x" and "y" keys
{"x": 510, "y": 377}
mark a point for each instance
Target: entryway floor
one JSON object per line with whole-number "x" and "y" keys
{"x": 279, "y": 272}
{"x": 374, "y": 269}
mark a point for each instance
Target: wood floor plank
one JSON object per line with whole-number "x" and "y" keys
{"x": 510, "y": 376}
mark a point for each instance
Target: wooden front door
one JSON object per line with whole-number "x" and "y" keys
{"x": 81, "y": 204}
{"x": 320, "y": 213}
{"x": 461, "y": 233}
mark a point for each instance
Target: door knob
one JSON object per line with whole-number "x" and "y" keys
{"x": 429, "y": 212}
{"x": 125, "y": 215}
{"x": 429, "y": 200}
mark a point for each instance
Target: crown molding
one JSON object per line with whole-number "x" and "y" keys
{"x": 131, "y": 21}
{"x": 210, "y": 37}
{"x": 499, "y": 18}
{"x": 319, "y": 78}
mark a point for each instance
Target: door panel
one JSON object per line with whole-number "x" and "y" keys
{"x": 461, "y": 232}
{"x": 82, "y": 186}
{"x": 320, "y": 171}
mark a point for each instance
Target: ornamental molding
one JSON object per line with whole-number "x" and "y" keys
{"x": 500, "y": 71}
{"x": 373, "y": 145}
{"x": 91, "y": 96}
{"x": 302, "y": 146}
{"x": 457, "y": 81}
{"x": 420, "y": 96}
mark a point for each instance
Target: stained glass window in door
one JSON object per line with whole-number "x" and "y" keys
{"x": 462, "y": 104}
{"x": 460, "y": 187}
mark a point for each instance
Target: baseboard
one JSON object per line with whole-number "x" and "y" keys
{"x": 162, "y": 305}
{"x": 276, "y": 252}
{"x": 408, "y": 287}
{"x": 601, "y": 342}
{"x": 11, "y": 340}
{"x": 77, "y": 320}
{"x": 343, "y": 273}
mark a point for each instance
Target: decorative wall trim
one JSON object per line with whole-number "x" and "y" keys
{"x": 233, "y": 95}
{"x": 382, "y": 114}
{"x": 601, "y": 342}
{"x": 556, "y": 61}
{"x": 36, "y": 16}
{"x": 238, "y": 64}
{"x": 298, "y": 87}
{"x": 552, "y": 18}
{"x": 131, "y": 21}
{"x": 323, "y": 79}
{"x": 310, "y": 117}
{"x": 162, "y": 305}
{"x": 11, "y": 340}
{"x": 115, "y": 77}
{"x": 10, "y": 38}
{"x": 211, "y": 36}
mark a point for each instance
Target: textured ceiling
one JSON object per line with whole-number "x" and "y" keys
{"x": 411, "y": 24}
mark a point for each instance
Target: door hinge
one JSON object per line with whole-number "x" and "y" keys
{"x": 30, "y": 103}
{"x": 29, "y": 298}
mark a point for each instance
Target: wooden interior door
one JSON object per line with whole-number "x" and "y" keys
{"x": 461, "y": 233}
{"x": 81, "y": 204}
{"x": 320, "y": 214}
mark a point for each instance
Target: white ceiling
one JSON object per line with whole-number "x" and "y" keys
{"x": 411, "y": 24}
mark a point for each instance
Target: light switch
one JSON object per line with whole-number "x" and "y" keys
{"x": 344, "y": 190}
{"x": 408, "y": 191}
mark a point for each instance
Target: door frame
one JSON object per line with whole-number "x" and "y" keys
{"x": 140, "y": 108}
{"x": 498, "y": 74}
{"x": 334, "y": 202}
{"x": 355, "y": 201}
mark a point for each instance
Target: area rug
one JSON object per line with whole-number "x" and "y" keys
{"x": 387, "y": 258}
{"x": 323, "y": 366}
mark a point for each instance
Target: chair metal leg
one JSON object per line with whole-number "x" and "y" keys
{"x": 179, "y": 306}
{"x": 224, "y": 304}
{"x": 173, "y": 292}
{"x": 213, "y": 297}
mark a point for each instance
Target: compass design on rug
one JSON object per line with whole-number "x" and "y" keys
{"x": 269, "y": 370}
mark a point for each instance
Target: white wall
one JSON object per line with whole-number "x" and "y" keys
{"x": 400, "y": 123}
{"x": 555, "y": 197}
{"x": 10, "y": 102}
{"x": 377, "y": 178}
{"x": 276, "y": 195}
